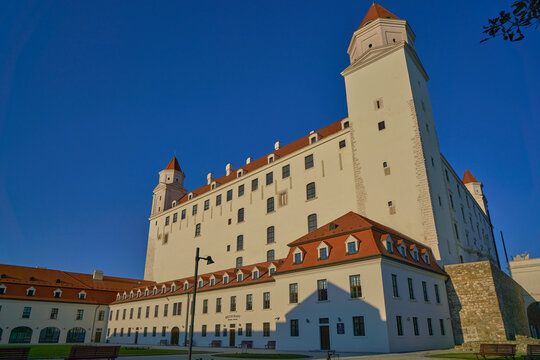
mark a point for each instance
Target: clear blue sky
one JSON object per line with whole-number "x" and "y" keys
{"x": 95, "y": 98}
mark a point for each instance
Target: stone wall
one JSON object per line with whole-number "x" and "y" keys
{"x": 485, "y": 303}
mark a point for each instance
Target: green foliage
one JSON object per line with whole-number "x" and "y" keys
{"x": 465, "y": 356}
{"x": 525, "y": 14}
{"x": 263, "y": 356}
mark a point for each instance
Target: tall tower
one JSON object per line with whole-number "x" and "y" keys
{"x": 396, "y": 151}
{"x": 475, "y": 187}
{"x": 169, "y": 188}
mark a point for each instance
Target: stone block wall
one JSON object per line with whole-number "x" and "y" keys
{"x": 485, "y": 303}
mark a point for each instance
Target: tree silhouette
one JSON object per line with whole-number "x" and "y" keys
{"x": 525, "y": 14}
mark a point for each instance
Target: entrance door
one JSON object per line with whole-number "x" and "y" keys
{"x": 232, "y": 335}
{"x": 324, "y": 331}
{"x": 97, "y": 336}
{"x": 175, "y": 335}
{"x": 136, "y": 336}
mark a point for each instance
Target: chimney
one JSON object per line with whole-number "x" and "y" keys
{"x": 209, "y": 178}
{"x": 228, "y": 169}
{"x": 248, "y": 160}
{"x": 98, "y": 275}
{"x": 277, "y": 145}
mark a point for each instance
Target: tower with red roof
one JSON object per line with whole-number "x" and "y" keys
{"x": 169, "y": 188}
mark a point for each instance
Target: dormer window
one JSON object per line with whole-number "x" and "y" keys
{"x": 82, "y": 295}
{"x": 426, "y": 258}
{"x": 323, "y": 253}
{"x": 146, "y": 292}
{"x": 163, "y": 289}
{"x": 57, "y": 293}
{"x": 174, "y": 203}
{"x": 213, "y": 185}
{"x": 255, "y": 275}
{"x": 131, "y": 294}
{"x": 240, "y": 277}
{"x": 414, "y": 253}
{"x": 139, "y": 293}
{"x": 345, "y": 124}
{"x": 271, "y": 158}
{"x": 388, "y": 243}
{"x": 117, "y": 297}
{"x": 351, "y": 245}
{"x": 241, "y": 172}
{"x": 212, "y": 281}
{"x": 30, "y": 291}
{"x": 225, "y": 280}
{"x": 124, "y": 296}
{"x": 173, "y": 288}
{"x": 402, "y": 250}
{"x": 272, "y": 270}
{"x": 190, "y": 196}
{"x": 200, "y": 285}
{"x": 2, "y": 289}
{"x": 313, "y": 138}
{"x": 298, "y": 256}
{"x": 186, "y": 285}
{"x": 154, "y": 292}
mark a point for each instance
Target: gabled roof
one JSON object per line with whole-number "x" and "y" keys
{"x": 468, "y": 177}
{"x": 377, "y": 11}
{"x": 173, "y": 165}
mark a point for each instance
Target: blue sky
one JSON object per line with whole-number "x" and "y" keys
{"x": 95, "y": 98}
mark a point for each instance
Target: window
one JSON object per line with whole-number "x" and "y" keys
{"x": 310, "y": 191}
{"x": 198, "y": 229}
{"x": 175, "y": 217}
{"x": 167, "y": 220}
{"x": 411, "y": 289}
{"x": 272, "y": 271}
{"x": 240, "y": 242}
{"x": 229, "y": 195}
{"x": 424, "y": 288}
{"x": 194, "y": 210}
{"x": 218, "y": 305}
{"x": 249, "y": 302}
{"x": 212, "y": 282}
{"x": 437, "y": 296}
{"x": 293, "y": 293}
{"x": 308, "y": 161}
{"x": 203, "y": 331}
{"x": 285, "y": 171}
{"x": 270, "y": 205}
{"x": 249, "y": 329}
{"x": 218, "y": 200}
{"x": 239, "y": 262}
{"x": 456, "y": 230}
{"x": 415, "y": 326}
{"x": 451, "y": 201}
{"x": 147, "y": 315}
{"x": 121, "y": 331}
{"x": 270, "y": 235}
{"x": 145, "y": 332}
{"x": 154, "y": 331}
{"x": 131, "y": 313}
{"x": 356, "y": 288}
{"x": 270, "y": 256}
{"x": 395, "y": 290}
{"x": 399, "y": 324}
{"x": 381, "y": 125}
{"x": 179, "y": 309}
{"x": 266, "y": 300}
{"x": 323, "y": 253}
{"x": 240, "y": 277}
{"x": 30, "y": 292}
{"x": 156, "y": 311}
{"x": 443, "y": 330}
{"x": 206, "y": 204}
{"x": 266, "y": 329}
{"x": 183, "y": 214}
{"x": 351, "y": 248}
{"x": 269, "y": 178}
{"x": 430, "y": 327}
{"x": 322, "y": 290}
{"x": 241, "y": 215}
{"x": 226, "y": 279}
{"x": 298, "y": 258}
{"x": 254, "y": 184}
{"x": 217, "y": 332}
{"x": 312, "y": 222}
{"x": 255, "y": 275}
{"x": 101, "y": 315}
{"x": 2, "y": 290}
{"x": 358, "y": 326}
{"x": 54, "y": 313}
{"x": 342, "y": 144}
{"x": 57, "y": 293}
{"x": 205, "y": 306}
{"x": 124, "y": 314}
{"x": 345, "y": 124}
{"x": 233, "y": 303}
{"x": 294, "y": 327}
{"x": 165, "y": 309}
{"x": 80, "y": 314}
{"x": 240, "y": 190}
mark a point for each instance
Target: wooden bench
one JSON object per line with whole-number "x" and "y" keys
{"x": 533, "y": 352}
{"x": 246, "y": 344}
{"x": 271, "y": 344}
{"x": 93, "y": 352}
{"x": 15, "y": 353}
{"x": 215, "y": 343}
{"x": 508, "y": 351}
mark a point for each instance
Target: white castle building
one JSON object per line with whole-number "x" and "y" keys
{"x": 282, "y": 280}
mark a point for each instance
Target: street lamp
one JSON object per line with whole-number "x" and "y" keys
{"x": 208, "y": 262}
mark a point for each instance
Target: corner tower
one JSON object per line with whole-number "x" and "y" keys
{"x": 169, "y": 188}
{"x": 475, "y": 187}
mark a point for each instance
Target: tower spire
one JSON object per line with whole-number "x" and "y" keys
{"x": 173, "y": 164}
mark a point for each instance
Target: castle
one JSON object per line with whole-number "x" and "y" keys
{"x": 338, "y": 240}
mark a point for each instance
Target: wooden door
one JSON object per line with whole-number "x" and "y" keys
{"x": 232, "y": 336}
{"x": 175, "y": 335}
{"x": 97, "y": 336}
{"x": 324, "y": 332}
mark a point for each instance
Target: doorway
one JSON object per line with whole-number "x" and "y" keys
{"x": 232, "y": 335}
{"x": 137, "y": 336}
{"x": 175, "y": 335}
{"x": 97, "y": 336}
{"x": 324, "y": 332}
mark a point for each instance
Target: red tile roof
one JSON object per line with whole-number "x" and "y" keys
{"x": 173, "y": 165}
{"x": 281, "y": 152}
{"x": 18, "y": 279}
{"x": 370, "y": 235}
{"x": 377, "y": 11}
{"x": 468, "y": 177}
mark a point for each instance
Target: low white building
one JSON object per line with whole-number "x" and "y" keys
{"x": 43, "y": 306}
{"x": 351, "y": 285}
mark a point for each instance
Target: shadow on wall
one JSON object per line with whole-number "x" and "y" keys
{"x": 533, "y": 315}
{"x": 47, "y": 335}
{"x": 330, "y": 319}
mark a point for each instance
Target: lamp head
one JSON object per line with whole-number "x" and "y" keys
{"x": 209, "y": 260}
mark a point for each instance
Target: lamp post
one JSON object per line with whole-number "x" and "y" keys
{"x": 208, "y": 262}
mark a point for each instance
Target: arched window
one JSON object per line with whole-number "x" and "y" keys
{"x": 241, "y": 215}
{"x": 20, "y": 335}
{"x": 76, "y": 335}
{"x": 270, "y": 205}
{"x": 312, "y": 222}
{"x": 270, "y": 255}
{"x": 310, "y": 191}
{"x": 49, "y": 335}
